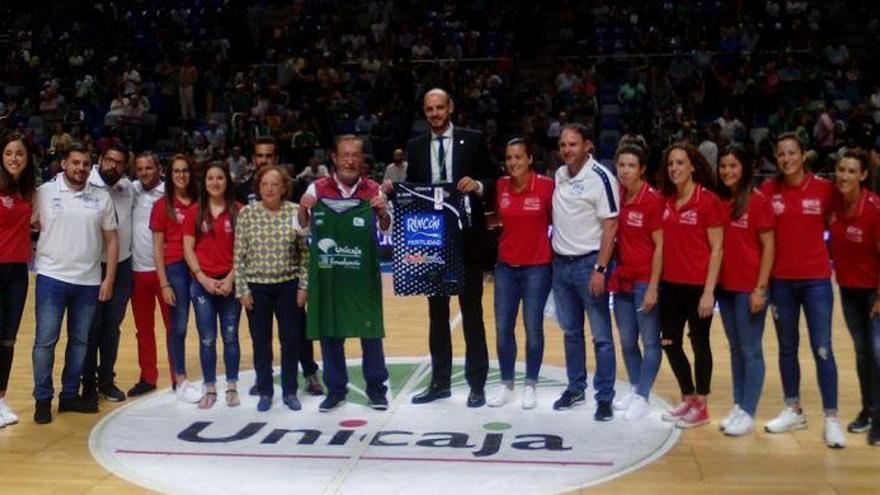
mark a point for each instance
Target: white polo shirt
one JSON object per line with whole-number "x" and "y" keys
{"x": 71, "y": 244}
{"x": 142, "y": 257}
{"x": 580, "y": 203}
{"x": 122, "y": 196}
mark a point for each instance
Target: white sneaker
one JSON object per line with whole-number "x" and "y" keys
{"x": 834, "y": 437}
{"x": 622, "y": 404}
{"x": 529, "y": 400}
{"x": 7, "y": 417}
{"x": 638, "y": 409}
{"x": 189, "y": 392}
{"x": 787, "y": 420}
{"x": 730, "y": 418}
{"x": 742, "y": 424}
{"x": 501, "y": 396}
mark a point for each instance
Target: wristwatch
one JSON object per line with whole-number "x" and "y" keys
{"x": 599, "y": 268}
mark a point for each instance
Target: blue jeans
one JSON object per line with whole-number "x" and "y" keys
{"x": 744, "y": 331}
{"x": 531, "y": 285}
{"x": 53, "y": 298}
{"x": 210, "y": 308}
{"x": 336, "y": 371}
{"x": 817, "y": 299}
{"x": 632, "y": 322}
{"x": 571, "y": 292}
{"x": 104, "y": 334}
{"x": 865, "y": 332}
{"x": 178, "y": 277}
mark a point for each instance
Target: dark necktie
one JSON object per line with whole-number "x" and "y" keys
{"x": 441, "y": 158}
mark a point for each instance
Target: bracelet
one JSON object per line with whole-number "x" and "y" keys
{"x": 164, "y": 286}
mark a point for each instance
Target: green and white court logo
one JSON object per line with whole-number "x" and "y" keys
{"x": 442, "y": 447}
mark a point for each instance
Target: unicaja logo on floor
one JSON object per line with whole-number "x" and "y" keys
{"x": 440, "y": 447}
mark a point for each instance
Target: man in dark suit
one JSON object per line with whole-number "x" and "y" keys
{"x": 460, "y": 156}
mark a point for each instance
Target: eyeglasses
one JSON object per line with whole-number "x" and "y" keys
{"x": 184, "y": 171}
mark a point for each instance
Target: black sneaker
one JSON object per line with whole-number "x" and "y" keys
{"x": 330, "y": 402}
{"x": 111, "y": 392}
{"x": 141, "y": 388}
{"x": 862, "y": 423}
{"x": 874, "y": 433}
{"x": 76, "y": 403}
{"x": 603, "y": 411}
{"x": 378, "y": 402}
{"x": 43, "y": 412}
{"x": 253, "y": 390}
{"x": 569, "y": 399}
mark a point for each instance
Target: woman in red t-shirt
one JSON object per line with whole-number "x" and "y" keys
{"x": 745, "y": 271}
{"x": 801, "y": 278}
{"x": 17, "y": 186}
{"x": 855, "y": 241}
{"x": 208, "y": 240}
{"x": 692, "y": 243}
{"x": 523, "y": 202}
{"x": 636, "y": 278}
{"x": 166, "y": 222}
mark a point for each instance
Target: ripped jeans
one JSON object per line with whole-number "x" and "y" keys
{"x": 816, "y": 297}
{"x": 209, "y": 309}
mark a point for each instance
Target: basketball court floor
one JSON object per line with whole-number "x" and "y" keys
{"x": 157, "y": 444}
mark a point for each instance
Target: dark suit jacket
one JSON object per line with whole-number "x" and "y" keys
{"x": 470, "y": 158}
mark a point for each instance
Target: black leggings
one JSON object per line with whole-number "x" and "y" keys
{"x": 13, "y": 292}
{"x": 678, "y": 305}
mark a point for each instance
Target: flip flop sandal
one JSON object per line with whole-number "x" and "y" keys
{"x": 208, "y": 400}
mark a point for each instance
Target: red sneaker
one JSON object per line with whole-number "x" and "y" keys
{"x": 698, "y": 415}
{"x": 678, "y": 411}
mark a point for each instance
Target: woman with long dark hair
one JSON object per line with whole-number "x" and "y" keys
{"x": 692, "y": 246}
{"x": 749, "y": 247}
{"x": 17, "y": 186}
{"x": 635, "y": 281}
{"x": 523, "y": 272}
{"x": 801, "y": 278}
{"x": 166, "y": 222}
{"x": 855, "y": 238}
{"x": 208, "y": 241}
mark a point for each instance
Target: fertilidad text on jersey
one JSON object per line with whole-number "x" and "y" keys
{"x": 428, "y": 223}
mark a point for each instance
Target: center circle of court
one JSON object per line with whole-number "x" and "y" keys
{"x": 443, "y": 447}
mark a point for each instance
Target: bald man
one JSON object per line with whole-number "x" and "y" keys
{"x": 449, "y": 154}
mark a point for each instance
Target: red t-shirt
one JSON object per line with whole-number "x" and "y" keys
{"x": 800, "y": 211}
{"x": 526, "y": 218}
{"x": 159, "y": 222}
{"x": 686, "y": 249}
{"x": 213, "y": 247}
{"x": 854, "y": 241}
{"x": 15, "y": 229}
{"x": 638, "y": 220}
{"x": 742, "y": 246}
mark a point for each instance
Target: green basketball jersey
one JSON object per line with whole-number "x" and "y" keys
{"x": 345, "y": 286}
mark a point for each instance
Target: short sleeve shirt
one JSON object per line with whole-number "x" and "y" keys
{"x": 686, "y": 249}
{"x": 742, "y": 244}
{"x": 71, "y": 223}
{"x": 580, "y": 203}
{"x": 526, "y": 217}
{"x": 800, "y": 212}
{"x": 854, "y": 242}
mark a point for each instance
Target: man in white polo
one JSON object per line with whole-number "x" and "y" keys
{"x": 585, "y": 209}
{"x": 77, "y": 224}
{"x": 98, "y": 370}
